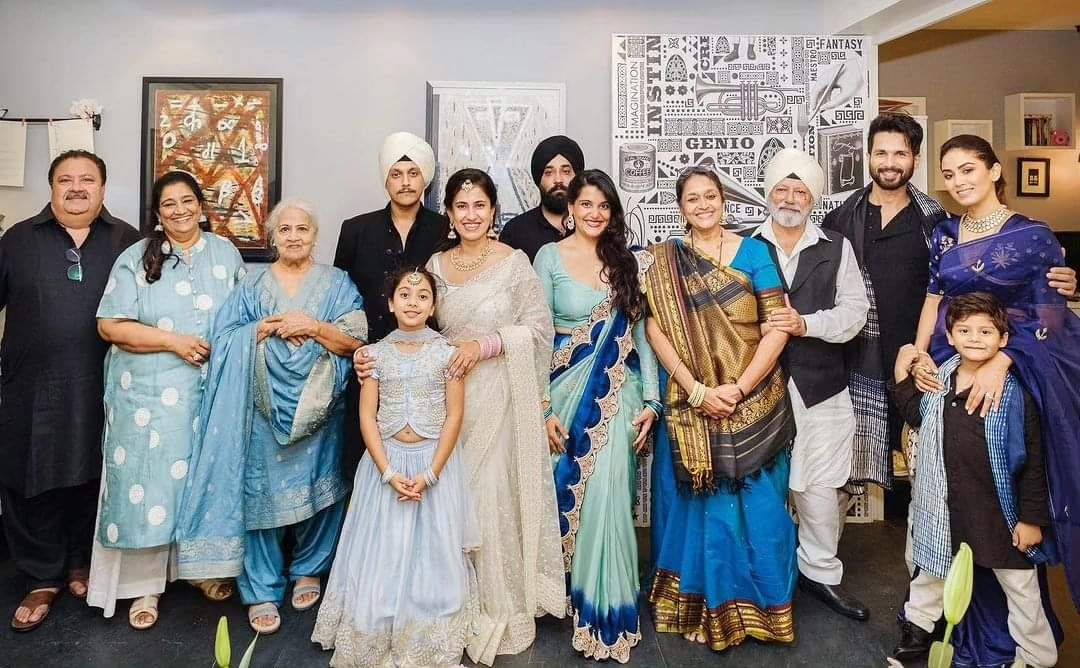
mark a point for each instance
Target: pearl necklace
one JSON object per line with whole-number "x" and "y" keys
{"x": 471, "y": 265}
{"x": 986, "y": 223}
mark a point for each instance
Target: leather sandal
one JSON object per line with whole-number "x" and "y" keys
{"x": 33, "y": 601}
{"x": 215, "y": 590}
{"x": 264, "y": 610}
{"x": 81, "y": 576}
{"x": 143, "y": 607}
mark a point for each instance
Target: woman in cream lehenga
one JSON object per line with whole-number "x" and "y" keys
{"x": 492, "y": 307}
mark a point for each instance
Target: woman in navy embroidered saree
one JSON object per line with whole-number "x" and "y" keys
{"x": 992, "y": 249}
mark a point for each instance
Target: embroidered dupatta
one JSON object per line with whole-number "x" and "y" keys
{"x": 295, "y": 387}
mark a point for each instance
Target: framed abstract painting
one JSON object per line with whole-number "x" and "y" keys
{"x": 227, "y": 133}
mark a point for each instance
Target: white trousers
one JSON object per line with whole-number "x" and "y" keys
{"x": 820, "y": 524}
{"x": 1028, "y": 625}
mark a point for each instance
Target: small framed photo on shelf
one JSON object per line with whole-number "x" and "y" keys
{"x": 1033, "y": 177}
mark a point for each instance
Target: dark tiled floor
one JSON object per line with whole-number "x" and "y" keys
{"x": 76, "y": 636}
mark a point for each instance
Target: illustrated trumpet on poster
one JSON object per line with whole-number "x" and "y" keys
{"x": 747, "y": 101}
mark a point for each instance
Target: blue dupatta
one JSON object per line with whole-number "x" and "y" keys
{"x": 295, "y": 387}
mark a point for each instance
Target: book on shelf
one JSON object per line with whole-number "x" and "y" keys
{"x": 1037, "y": 129}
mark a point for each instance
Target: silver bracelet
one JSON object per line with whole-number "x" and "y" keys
{"x": 388, "y": 474}
{"x": 430, "y": 478}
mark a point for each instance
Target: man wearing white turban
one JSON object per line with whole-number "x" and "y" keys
{"x": 374, "y": 244}
{"x": 827, "y": 306}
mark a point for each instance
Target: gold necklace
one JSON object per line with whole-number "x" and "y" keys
{"x": 720, "y": 253}
{"x": 986, "y": 223}
{"x": 471, "y": 265}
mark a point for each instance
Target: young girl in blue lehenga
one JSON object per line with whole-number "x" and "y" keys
{"x": 402, "y": 590}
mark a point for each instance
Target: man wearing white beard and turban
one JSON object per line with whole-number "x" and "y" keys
{"x": 374, "y": 244}
{"x": 827, "y": 306}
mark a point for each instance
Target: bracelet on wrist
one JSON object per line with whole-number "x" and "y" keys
{"x": 548, "y": 413}
{"x": 697, "y": 395}
{"x": 388, "y": 475}
{"x": 655, "y": 406}
{"x": 430, "y": 479}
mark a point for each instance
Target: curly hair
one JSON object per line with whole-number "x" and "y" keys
{"x": 620, "y": 265}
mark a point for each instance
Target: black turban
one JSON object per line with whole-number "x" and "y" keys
{"x": 553, "y": 146}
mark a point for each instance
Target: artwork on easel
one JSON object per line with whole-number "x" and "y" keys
{"x": 494, "y": 126}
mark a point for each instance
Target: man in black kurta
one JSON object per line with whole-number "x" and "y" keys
{"x": 53, "y": 270}
{"x": 555, "y": 162}
{"x": 374, "y": 244}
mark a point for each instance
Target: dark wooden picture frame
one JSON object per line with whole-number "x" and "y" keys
{"x": 225, "y": 131}
{"x": 1028, "y": 181}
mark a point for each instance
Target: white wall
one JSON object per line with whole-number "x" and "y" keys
{"x": 354, "y": 71}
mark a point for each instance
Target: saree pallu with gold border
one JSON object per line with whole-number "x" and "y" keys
{"x": 596, "y": 391}
{"x": 723, "y": 538}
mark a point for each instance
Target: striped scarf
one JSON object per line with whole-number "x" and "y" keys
{"x": 931, "y": 533}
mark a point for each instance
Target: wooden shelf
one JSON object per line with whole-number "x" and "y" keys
{"x": 947, "y": 129}
{"x": 1060, "y": 107}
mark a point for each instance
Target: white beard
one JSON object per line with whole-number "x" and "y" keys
{"x": 787, "y": 217}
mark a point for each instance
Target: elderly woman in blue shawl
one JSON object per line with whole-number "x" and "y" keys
{"x": 272, "y": 426}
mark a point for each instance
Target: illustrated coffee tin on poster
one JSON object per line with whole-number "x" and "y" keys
{"x": 637, "y": 167}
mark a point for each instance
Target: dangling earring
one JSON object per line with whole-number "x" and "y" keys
{"x": 569, "y": 224}
{"x": 452, "y": 234}
{"x": 491, "y": 231}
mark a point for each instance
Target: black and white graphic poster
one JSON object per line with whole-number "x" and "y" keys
{"x": 731, "y": 102}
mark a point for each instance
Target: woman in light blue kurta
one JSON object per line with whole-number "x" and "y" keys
{"x": 157, "y": 307}
{"x": 604, "y": 399}
{"x": 272, "y": 426}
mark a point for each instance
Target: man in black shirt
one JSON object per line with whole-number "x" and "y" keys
{"x": 373, "y": 244}
{"x": 555, "y": 162}
{"x": 53, "y": 270}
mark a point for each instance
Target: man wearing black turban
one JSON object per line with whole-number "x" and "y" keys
{"x": 554, "y": 163}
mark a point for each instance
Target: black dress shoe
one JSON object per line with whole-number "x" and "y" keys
{"x": 914, "y": 642}
{"x": 836, "y": 598}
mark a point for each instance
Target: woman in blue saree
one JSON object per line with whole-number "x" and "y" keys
{"x": 723, "y": 540}
{"x": 271, "y": 427}
{"x": 603, "y": 402}
{"x": 992, "y": 249}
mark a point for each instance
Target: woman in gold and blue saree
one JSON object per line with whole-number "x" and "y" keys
{"x": 603, "y": 403}
{"x": 723, "y": 540}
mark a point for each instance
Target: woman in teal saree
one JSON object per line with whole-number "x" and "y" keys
{"x": 603, "y": 402}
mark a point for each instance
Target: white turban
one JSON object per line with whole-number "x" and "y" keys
{"x": 406, "y": 145}
{"x": 792, "y": 161}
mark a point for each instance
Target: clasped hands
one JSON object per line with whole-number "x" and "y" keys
{"x": 296, "y": 327}
{"x": 409, "y": 489}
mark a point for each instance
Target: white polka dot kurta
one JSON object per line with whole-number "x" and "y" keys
{"x": 152, "y": 400}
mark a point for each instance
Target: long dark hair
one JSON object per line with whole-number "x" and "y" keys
{"x": 398, "y": 275}
{"x": 612, "y": 246}
{"x": 479, "y": 178}
{"x": 983, "y": 151}
{"x": 154, "y": 254}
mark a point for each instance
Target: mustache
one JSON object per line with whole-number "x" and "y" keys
{"x": 79, "y": 194}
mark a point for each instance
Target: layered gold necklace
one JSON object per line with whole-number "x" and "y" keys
{"x": 990, "y": 221}
{"x": 466, "y": 266}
